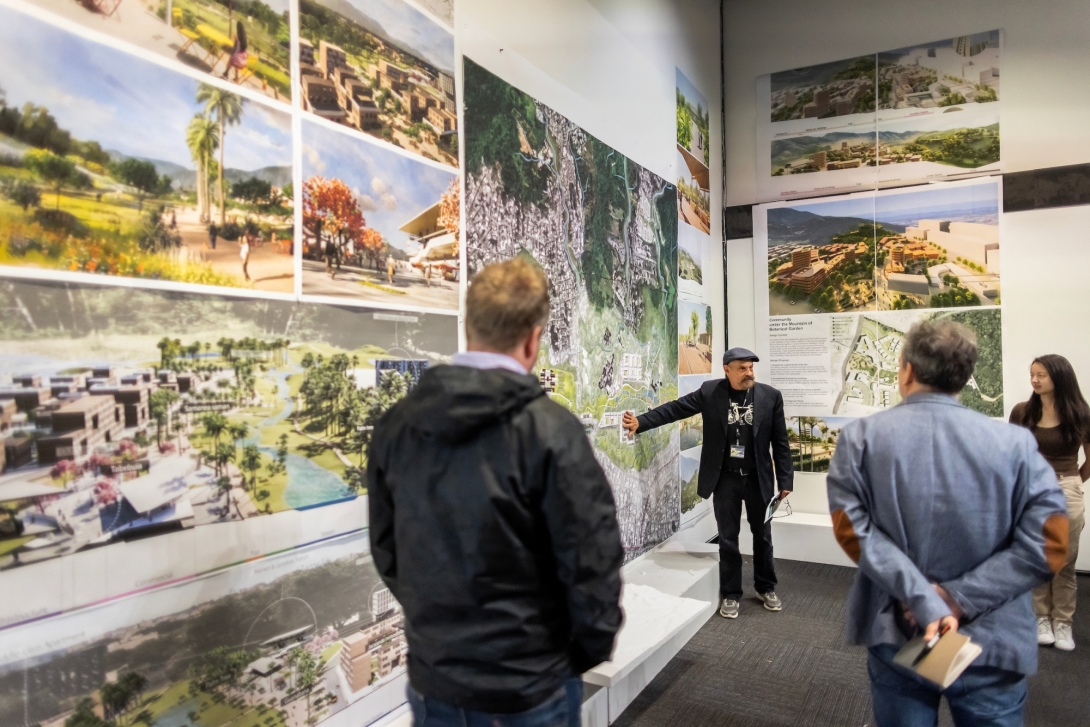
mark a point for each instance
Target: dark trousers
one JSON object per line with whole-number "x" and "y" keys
{"x": 732, "y": 490}
{"x": 562, "y": 709}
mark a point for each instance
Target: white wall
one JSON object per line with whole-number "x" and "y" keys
{"x": 1045, "y": 65}
{"x": 609, "y": 66}
{"x": 1045, "y": 122}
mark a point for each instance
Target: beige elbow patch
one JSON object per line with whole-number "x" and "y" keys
{"x": 845, "y": 534}
{"x": 1056, "y": 536}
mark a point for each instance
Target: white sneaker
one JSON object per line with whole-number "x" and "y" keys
{"x": 1045, "y": 637}
{"x": 728, "y": 609}
{"x": 1065, "y": 640}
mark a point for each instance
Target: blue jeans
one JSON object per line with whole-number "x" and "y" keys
{"x": 983, "y": 696}
{"x": 563, "y": 709}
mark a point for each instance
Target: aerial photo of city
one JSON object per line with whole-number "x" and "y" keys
{"x": 125, "y": 413}
{"x": 281, "y": 641}
{"x": 199, "y": 33}
{"x": 813, "y": 441}
{"x": 821, "y": 257}
{"x": 379, "y": 225}
{"x": 384, "y": 68}
{"x": 871, "y": 351}
{"x": 169, "y": 188}
{"x": 938, "y": 247}
{"x": 964, "y": 138}
{"x": 840, "y": 88}
{"x": 951, "y": 72}
{"x": 605, "y": 231}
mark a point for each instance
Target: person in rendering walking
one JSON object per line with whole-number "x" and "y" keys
{"x": 494, "y": 526}
{"x": 330, "y": 257}
{"x": 239, "y": 55}
{"x": 390, "y": 267}
{"x": 244, "y": 254}
{"x": 952, "y": 518}
{"x": 743, "y": 420}
{"x": 1059, "y": 418}
{"x": 213, "y": 233}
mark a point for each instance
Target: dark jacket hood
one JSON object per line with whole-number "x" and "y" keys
{"x": 454, "y": 403}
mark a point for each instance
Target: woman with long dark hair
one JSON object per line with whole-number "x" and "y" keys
{"x": 1059, "y": 418}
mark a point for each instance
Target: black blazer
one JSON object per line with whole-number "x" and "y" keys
{"x": 712, "y": 400}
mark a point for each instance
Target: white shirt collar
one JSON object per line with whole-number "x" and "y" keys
{"x": 488, "y": 360}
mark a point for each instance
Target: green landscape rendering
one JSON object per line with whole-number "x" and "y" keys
{"x": 605, "y": 232}
{"x": 282, "y": 641}
{"x": 200, "y": 34}
{"x": 134, "y": 412}
{"x": 170, "y": 189}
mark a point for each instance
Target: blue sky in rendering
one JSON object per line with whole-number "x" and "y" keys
{"x": 392, "y": 188}
{"x": 858, "y": 207}
{"x": 688, "y": 90}
{"x": 692, "y": 241}
{"x": 945, "y": 201}
{"x": 690, "y": 463}
{"x": 685, "y": 316}
{"x": 689, "y": 384}
{"x": 407, "y": 25}
{"x": 124, "y": 103}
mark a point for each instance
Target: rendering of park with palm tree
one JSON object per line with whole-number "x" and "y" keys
{"x": 139, "y": 197}
{"x": 813, "y": 441}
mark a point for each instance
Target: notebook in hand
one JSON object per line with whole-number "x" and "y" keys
{"x": 945, "y": 663}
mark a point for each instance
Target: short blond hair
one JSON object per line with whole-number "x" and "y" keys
{"x": 505, "y": 302}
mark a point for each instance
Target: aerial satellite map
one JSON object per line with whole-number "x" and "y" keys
{"x": 604, "y": 229}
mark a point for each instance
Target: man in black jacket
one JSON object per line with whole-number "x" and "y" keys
{"x": 742, "y": 421}
{"x": 494, "y": 526}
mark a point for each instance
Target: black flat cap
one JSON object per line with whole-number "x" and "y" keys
{"x": 739, "y": 354}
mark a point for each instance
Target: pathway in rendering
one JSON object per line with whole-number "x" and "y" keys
{"x": 270, "y": 269}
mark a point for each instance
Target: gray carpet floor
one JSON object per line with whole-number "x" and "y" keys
{"x": 794, "y": 668}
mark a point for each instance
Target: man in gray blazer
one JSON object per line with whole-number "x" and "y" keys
{"x": 953, "y": 518}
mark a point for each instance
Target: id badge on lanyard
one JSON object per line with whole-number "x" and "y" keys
{"x": 738, "y": 450}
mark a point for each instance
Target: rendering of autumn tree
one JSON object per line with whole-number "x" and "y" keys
{"x": 331, "y": 213}
{"x": 450, "y": 212}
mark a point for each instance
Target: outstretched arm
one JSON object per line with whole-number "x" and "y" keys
{"x": 878, "y": 557}
{"x": 672, "y": 411}
{"x": 1038, "y": 545}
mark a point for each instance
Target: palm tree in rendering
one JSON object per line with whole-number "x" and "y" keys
{"x": 202, "y": 137}
{"x": 226, "y": 108}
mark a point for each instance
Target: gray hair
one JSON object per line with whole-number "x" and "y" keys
{"x": 942, "y": 353}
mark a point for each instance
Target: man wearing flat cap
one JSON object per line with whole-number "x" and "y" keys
{"x": 746, "y": 458}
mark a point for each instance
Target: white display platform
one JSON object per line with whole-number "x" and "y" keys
{"x": 669, "y": 594}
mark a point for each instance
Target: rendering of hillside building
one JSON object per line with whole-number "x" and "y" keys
{"x": 936, "y": 256}
{"x": 336, "y": 90}
{"x": 810, "y": 267}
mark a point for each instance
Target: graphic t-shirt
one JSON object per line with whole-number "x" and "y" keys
{"x": 740, "y": 429}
